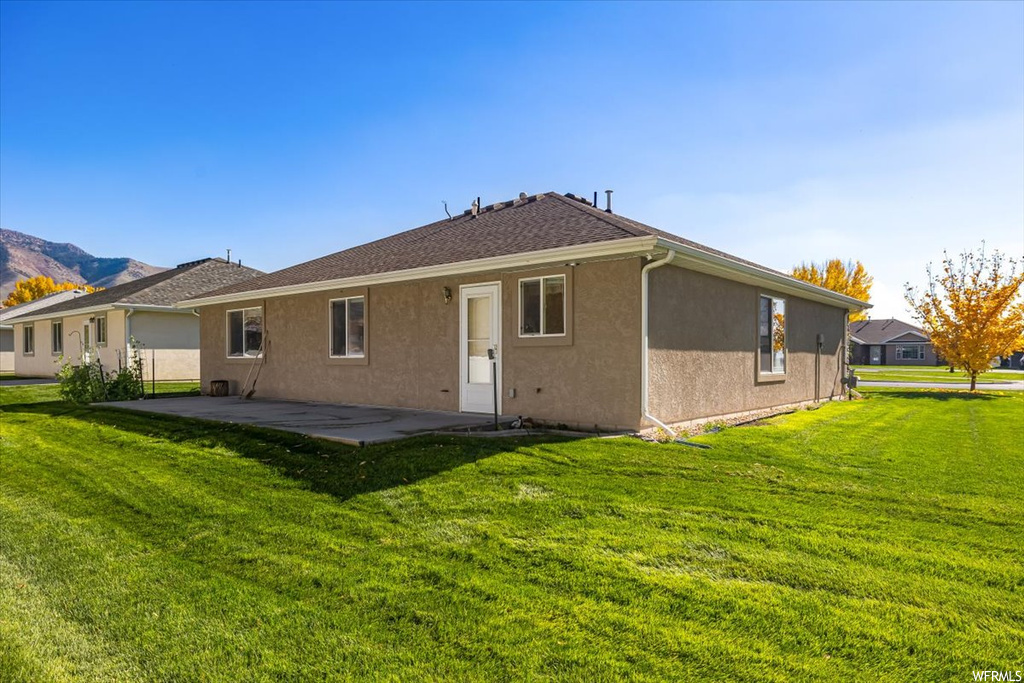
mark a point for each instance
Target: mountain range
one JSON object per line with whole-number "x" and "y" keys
{"x": 24, "y": 256}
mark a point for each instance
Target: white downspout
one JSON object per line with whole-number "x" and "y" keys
{"x": 646, "y": 371}
{"x": 128, "y": 331}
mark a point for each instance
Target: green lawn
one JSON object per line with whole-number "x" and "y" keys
{"x": 910, "y": 373}
{"x": 50, "y": 392}
{"x": 873, "y": 540}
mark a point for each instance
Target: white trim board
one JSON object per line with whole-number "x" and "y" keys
{"x": 102, "y": 308}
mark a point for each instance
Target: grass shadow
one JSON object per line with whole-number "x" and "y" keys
{"x": 934, "y": 394}
{"x": 323, "y": 466}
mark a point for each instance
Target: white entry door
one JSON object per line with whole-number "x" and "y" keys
{"x": 86, "y": 342}
{"x": 480, "y": 329}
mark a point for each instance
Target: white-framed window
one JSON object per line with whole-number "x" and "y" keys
{"x": 771, "y": 335}
{"x": 348, "y": 327}
{"x": 910, "y": 352}
{"x": 28, "y": 340}
{"x": 245, "y": 332}
{"x": 542, "y": 306}
{"x": 57, "y": 337}
{"x": 101, "y": 330}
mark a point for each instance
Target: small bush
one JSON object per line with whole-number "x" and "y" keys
{"x": 80, "y": 383}
{"x": 126, "y": 384}
{"x": 86, "y": 383}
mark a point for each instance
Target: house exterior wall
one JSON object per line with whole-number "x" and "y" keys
{"x": 45, "y": 361}
{"x": 172, "y": 339}
{"x": 169, "y": 344}
{"x": 703, "y": 348}
{"x": 6, "y": 350}
{"x": 590, "y": 377}
{"x": 860, "y": 354}
{"x": 890, "y": 355}
{"x": 40, "y": 363}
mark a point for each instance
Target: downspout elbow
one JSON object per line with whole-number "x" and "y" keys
{"x": 645, "y": 379}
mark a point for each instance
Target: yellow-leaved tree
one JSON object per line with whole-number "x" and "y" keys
{"x": 849, "y": 278}
{"x": 39, "y": 286}
{"x": 973, "y": 310}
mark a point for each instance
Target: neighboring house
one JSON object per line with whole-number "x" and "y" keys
{"x": 1014, "y": 361}
{"x": 890, "y": 342}
{"x": 100, "y": 325}
{"x": 7, "y": 330}
{"x": 558, "y": 291}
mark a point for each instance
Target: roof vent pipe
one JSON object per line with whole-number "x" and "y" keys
{"x": 608, "y": 207}
{"x": 595, "y": 199}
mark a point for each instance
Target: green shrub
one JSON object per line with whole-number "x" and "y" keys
{"x": 80, "y": 383}
{"x": 87, "y": 383}
{"x": 126, "y": 384}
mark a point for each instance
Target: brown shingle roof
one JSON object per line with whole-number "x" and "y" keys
{"x": 881, "y": 331}
{"x": 535, "y": 223}
{"x": 166, "y": 288}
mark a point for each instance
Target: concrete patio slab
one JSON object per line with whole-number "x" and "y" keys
{"x": 350, "y": 424}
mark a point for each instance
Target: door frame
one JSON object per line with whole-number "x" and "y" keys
{"x": 88, "y": 340}
{"x": 464, "y": 343}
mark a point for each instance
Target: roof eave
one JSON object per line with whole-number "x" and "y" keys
{"x": 44, "y": 315}
{"x": 88, "y": 310}
{"x": 633, "y": 245}
{"x": 685, "y": 255}
{"x": 891, "y": 339}
{"x": 713, "y": 264}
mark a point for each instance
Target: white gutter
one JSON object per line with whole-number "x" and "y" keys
{"x": 637, "y": 245}
{"x": 645, "y": 372}
{"x": 43, "y": 315}
{"x": 102, "y": 308}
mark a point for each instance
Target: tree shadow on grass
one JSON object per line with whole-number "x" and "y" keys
{"x": 937, "y": 394}
{"x": 323, "y": 466}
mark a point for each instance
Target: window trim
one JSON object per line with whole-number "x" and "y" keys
{"x": 920, "y": 351}
{"x": 54, "y": 351}
{"x": 565, "y": 306}
{"x": 96, "y": 331}
{"x": 28, "y": 330}
{"x": 330, "y": 328}
{"x": 227, "y": 332}
{"x": 769, "y": 375}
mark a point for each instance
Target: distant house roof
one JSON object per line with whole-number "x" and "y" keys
{"x": 542, "y": 223}
{"x": 161, "y": 290}
{"x": 884, "y": 331}
{"x": 36, "y": 304}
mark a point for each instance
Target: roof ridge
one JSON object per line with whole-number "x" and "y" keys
{"x": 603, "y": 215}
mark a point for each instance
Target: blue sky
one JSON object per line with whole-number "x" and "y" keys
{"x": 883, "y": 132}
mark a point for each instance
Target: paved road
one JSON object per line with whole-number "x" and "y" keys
{"x": 988, "y": 386}
{"x": 27, "y": 381}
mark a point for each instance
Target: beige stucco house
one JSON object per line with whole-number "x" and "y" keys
{"x": 7, "y": 329}
{"x": 592, "y": 319}
{"x": 102, "y": 324}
